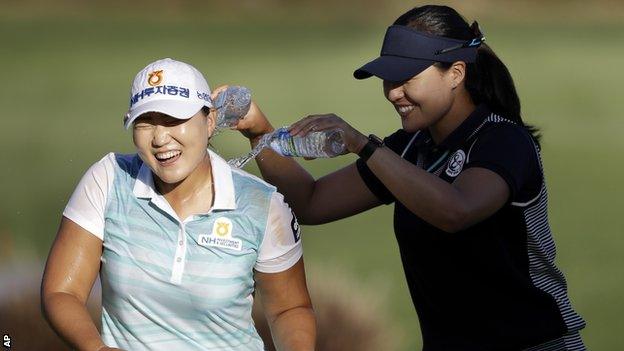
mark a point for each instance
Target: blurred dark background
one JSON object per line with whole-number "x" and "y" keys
{"x": 66, "y": 68}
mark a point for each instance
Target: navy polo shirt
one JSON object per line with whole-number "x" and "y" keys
{"x": 494, "y": 285}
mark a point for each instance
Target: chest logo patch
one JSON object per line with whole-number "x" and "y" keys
{"x": 221, "y": 236}
{"x": 456, "y": 163}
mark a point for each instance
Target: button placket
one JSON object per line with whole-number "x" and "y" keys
{"x": 178, "y": 263}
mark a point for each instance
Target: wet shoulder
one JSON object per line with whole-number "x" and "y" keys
{"x": 246, "y": 183}
{"x": 127, "y": 165}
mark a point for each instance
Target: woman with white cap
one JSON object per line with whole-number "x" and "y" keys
{"x": 465, "y": 175}
{"x": 180, "y": 240}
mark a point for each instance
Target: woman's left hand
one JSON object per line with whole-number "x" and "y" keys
{"x": 354, "y": 140}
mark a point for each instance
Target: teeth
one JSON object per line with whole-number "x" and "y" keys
{"x": 167, "y": 155}
{"x": 405, "y": 109}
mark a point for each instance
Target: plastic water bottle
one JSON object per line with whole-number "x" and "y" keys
{"x": 321, "y": 144}
{"x": 231, "y": 105}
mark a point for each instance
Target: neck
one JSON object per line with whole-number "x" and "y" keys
{"x": 461, "y": 108}
{"x": 198, "y": 183}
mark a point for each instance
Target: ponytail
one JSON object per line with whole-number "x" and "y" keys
{"x": 488, "y": 80}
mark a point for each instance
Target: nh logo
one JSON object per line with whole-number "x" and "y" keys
{"x": 207, "y": 240}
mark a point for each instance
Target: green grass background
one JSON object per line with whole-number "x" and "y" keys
{"x": 65, "y": 83}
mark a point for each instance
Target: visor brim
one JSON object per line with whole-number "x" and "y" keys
{"x": 392, "y": 68}
{"x": 173, "y": 108}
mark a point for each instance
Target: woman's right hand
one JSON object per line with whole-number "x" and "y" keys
{"x": 106, "y": 348}
{"x": 254, "y": 124}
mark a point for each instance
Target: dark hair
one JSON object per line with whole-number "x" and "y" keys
{"x": 487, "y": 80}
{"x": 205, "y": 110}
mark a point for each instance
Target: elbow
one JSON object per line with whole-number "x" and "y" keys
{"x": 315, "y": 219}
{"x": 310, "y": 215}
{"x": 46, "y": 301}
{"x": 454, "y": 220}
{"x": 309, "y": 220}
{"x": 304, "y": 219}
{"x": 44, "y": 297}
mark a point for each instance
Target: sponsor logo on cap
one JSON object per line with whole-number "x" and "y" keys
{"x": 161, "y": 89}
{"x": 155, "y": 78}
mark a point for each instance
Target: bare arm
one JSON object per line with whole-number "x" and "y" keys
{"x": 337, "y": 195}
{"x": 288, "y": 308}
{"x": 476, "y": 194}
{"x": 71, "y": 269}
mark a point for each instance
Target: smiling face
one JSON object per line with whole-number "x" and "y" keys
{"x": 424, "y": 99}
{"x": 172, "y": 148}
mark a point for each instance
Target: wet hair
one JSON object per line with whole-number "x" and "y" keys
{"x": 205, "y": 110}
{"x": 487, "y": 80}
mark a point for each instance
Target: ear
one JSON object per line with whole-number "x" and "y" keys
{"x": 457, "y": 73}
{"x": 211, "y": 122}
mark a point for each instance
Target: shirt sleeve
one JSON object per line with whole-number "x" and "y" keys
{"x": 509, "y": 151}
{"x": 281, "y": 246}
{"x": 88, "y": 202}
{"x": 396, "y": 142}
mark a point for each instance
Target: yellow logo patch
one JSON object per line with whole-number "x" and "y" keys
{"x": 155, "y": 78}
{"x": 222, "y": 227}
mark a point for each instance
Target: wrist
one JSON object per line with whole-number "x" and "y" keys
{"x": 372, "y": 144}
{"x": 362, "y": 140}
{"x": 253, "y": 140}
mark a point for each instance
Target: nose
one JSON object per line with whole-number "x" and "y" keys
{"x": 161, "y": 136}
{"x": 394, "y": 91}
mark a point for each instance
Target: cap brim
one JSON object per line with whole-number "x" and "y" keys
{"x": 174, "y": 108}
{"x": 392, "y": 68}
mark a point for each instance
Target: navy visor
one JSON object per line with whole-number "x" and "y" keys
{"x": 407, "y": 52}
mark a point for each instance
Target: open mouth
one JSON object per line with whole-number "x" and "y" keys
{"x": 168, "y": 157}
{"x": 404, "y": 110}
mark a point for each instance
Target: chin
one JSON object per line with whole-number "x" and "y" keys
{"x": 170, "y": 176}
{"x": 412, "y": 126}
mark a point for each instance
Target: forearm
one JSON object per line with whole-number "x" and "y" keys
{"x": 291, "y": 180}
{"x": 70, "y": 319}
{"x": 294, "y": 330}
{"x": 427, "y": 196}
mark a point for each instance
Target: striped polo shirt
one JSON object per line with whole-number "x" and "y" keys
{"x": 171, "y": 283}
{"x": 494, "y": 285}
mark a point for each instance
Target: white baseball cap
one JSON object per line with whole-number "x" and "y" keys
{"x": 168, "y": 86}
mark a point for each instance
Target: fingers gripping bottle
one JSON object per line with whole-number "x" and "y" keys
{"x": 232, "y": 105}
{"x": 321, "y": 144}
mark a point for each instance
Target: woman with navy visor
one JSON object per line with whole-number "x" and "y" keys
{"x": 465, "y": 175}
{"x": 181, "y": 241}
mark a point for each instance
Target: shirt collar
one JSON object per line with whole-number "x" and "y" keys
{"x": 224, "y": 196}
{"x": 464, "y": 130}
